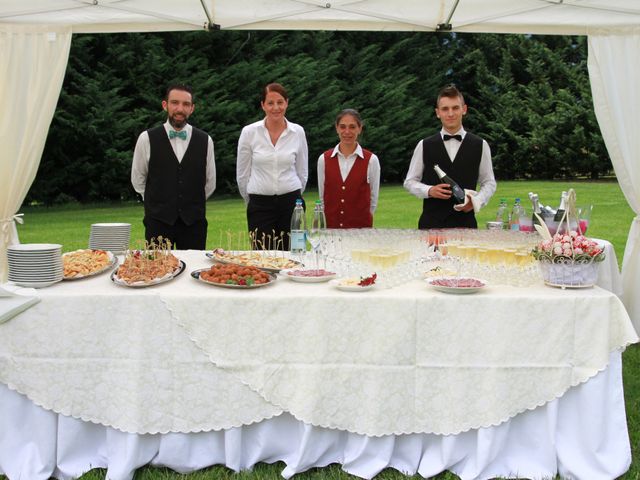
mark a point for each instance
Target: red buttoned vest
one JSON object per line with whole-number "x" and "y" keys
{"x": 347, "y": 203}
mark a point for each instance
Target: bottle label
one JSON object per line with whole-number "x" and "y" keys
{"x": 298, "y": 241}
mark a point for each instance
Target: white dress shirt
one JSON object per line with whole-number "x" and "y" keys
{"x": 346, "y": 164}
{"x": 266, "y": 169}
{"x": 142, "y": 152}
{"x": 486, "y": 180}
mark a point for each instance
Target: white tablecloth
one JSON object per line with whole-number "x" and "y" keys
{"x": 122, "y": 357}
{"x": 582, "y": 435}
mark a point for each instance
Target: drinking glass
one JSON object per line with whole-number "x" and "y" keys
{"x": 315, "y": 236}
{"x": 584, "y": 216}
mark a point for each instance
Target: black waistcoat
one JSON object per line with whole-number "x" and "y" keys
{"x": 438, "y": 213}
{"x": 176, "y": 189}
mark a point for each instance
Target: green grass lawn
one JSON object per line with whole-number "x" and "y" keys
{"x": 611, "y": 219}
{"x": 69, "y": 225}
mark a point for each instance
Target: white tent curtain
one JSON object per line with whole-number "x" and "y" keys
{"x": 614, "y": 71}
{"x": 32, "y": 67}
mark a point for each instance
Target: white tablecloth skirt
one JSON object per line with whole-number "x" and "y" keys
{"x": 582, "y": 435}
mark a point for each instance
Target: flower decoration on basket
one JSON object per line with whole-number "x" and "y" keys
{"x": 568, "y": 258}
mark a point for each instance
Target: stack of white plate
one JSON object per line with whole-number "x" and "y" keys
{"x": 113, "y": 237}
{"x": 35, "y": 265}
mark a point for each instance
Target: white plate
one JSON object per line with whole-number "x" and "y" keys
{"x": 109, "y": 225}
{"x": 196, "y": 274}
{"x": 34, "y": 247}
{"x": 350, "y": 288}
{"x": 559, "y": 285}
{"x": 113, "y": 261}
{"x": 455, "y": 290}
{"x": 35, "y": 284}
{"x": 157, "y": 281}
{"x": 303, "y": 279}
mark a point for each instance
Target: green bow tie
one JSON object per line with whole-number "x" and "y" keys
{"x": 181, "y": 134}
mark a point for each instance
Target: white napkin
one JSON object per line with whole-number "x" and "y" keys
{"x": 10, "y": 290}
{"x": 472, "y": 195}
{"x": 15, "y": 299}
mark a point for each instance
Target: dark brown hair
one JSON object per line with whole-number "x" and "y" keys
{"x": 349, "y": 111}
{"x": 274, "y": 87}
{"x": 449, "y": 91}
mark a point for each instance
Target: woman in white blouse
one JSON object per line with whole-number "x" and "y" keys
{"x": 272, "y": 170}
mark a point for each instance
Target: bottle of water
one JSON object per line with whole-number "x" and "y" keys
{"x": 298, "y": 232}
{"x": 319, "y": 220}
{"x": 516, "y": 212}
{"x": 502, "y": 215}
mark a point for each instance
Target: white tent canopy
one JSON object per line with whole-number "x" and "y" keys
{"x": 35, "y": 37}
{"x": 575, "y": 17}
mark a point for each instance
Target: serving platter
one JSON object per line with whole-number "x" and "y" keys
{"x": 254, "y": 259}
{"x": 457, "y": 285}
{"x": 113, "y": 261}
{"x": 196, "y": 274}
{"x": 307, "y": 276}
{"x": 156, "y": 281}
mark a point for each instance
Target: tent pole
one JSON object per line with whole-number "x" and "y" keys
{"x": 446, "y": 26}
{"x": 210, "y": 24}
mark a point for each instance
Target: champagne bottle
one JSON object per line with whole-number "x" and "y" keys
{"x": 457, "y": 193}
{"x": 536, "y": 208}
{"x": 560, "y": 212}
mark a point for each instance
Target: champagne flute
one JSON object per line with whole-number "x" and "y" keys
{"x": 316, "y": 232}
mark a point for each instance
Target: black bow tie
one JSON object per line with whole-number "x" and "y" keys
{"x": 449, "y": 137}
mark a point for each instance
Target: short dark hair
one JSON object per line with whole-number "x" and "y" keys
{"x": 179, "y": 86}
{"x": 449, "y": 91}
{"x": 349, "y": 111}
{"x": 274, "y": 87}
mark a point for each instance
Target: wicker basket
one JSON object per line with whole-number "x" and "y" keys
{"x": 568, "y": 273}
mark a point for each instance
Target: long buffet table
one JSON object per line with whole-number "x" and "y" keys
{"x": 507, "y": 382}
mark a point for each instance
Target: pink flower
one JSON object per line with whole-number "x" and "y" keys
{"x": 557, "y": 250}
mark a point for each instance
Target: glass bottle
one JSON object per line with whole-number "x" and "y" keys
{"x": 298, "y": 230}
{"x": 457, "y": 192}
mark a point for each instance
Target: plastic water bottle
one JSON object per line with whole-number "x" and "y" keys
{"x": 502, "y": 215}
{"x": 516, "y": 212}
{"x": 298, "y": 232}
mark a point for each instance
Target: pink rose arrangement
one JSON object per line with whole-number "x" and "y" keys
{"x": 568, "y": 246}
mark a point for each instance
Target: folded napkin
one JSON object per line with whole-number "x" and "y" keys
{"x": 14, "y": 299}
{"x": 472, "y": 195}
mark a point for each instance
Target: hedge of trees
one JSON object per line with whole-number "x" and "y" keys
{"x": 528, "y": 96}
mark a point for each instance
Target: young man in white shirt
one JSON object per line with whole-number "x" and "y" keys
{"x": 465, "y": 157}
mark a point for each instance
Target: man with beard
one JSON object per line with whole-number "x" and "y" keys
{"x": 174, "y": 170}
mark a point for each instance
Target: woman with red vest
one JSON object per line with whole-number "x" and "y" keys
{"x": 349, "y": 177}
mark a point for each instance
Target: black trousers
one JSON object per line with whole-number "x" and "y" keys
{"x": 269, "y": 219}
{"x": 452, "y": 219}
{"x": 182, "y": 236}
